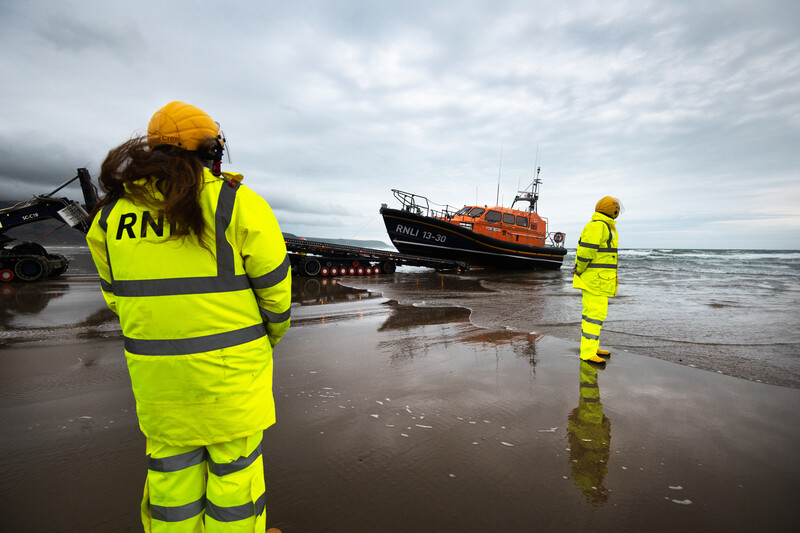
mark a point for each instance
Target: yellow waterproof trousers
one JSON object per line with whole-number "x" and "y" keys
{"x": 213, "y": 488}
{"x": 595, "y": 309}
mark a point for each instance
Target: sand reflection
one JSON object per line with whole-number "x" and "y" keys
{"x": 589, "y": 433}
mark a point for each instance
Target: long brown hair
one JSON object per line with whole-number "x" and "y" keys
{"x": 174, "y": 172}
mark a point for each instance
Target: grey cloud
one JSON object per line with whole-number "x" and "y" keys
{"x": 31, "y": 168}
{"x": 305, "y": 205}
{"x": 75, "y": 35}
{"x": 328, "y": 106}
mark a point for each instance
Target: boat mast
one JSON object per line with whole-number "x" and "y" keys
{"x": 531, "y": 197}
{"x": 497, "y": 199}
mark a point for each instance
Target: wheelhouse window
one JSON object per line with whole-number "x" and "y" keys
{"x": 508, "y": 218}
{"x": 476, "y": 212}
{"x": 522, "y": 221}
{"x": 493, "y": 216}
{"x": 463, "y": 211}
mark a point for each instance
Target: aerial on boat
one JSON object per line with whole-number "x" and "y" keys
{"x": 500, "y": 237}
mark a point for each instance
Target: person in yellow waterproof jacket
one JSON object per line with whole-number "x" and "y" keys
{"x": 195, "y": 265}
{"x": 595, "y": 274}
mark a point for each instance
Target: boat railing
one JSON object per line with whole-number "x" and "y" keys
{"x": 420, "y": 205}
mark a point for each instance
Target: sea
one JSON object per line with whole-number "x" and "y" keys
{"x": 734, "y": 312}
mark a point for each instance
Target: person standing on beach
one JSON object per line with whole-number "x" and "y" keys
{"x": 595, "y": 274}
{"x": 195, "y": 265}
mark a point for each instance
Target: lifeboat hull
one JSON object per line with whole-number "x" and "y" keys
{"x": 417, "y": 234}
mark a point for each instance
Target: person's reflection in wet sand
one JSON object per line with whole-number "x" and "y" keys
{"x": 589, "y": 434}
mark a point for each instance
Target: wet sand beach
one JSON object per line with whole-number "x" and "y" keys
{"x": 394, "y": 417}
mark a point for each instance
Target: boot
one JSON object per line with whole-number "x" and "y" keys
{"x": 595, "y": 361}
{"x": 603, "y": 353}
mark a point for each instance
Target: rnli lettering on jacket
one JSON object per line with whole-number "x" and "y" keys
{"x": 199, "y": 323}
{"x": 596, "y": 257}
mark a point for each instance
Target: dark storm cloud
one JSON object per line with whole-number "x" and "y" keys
{"x": 30, "y": 169}
{"x": 693, "y": 108}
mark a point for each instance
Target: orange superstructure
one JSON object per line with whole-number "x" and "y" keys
{"x": 502, "y": 223}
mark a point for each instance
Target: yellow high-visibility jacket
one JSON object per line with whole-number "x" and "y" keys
{"x": 198, "y": 324}
{"x": 596, "y": 258}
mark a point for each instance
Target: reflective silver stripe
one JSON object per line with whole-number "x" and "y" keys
{"x": 589, "y": 245}
{"x": 589, "y": 385}
{"x": 584, "y": 259}
{"x": 106, "y": 286}
{"x": 222, "y": 219}
{"x": 103, "y": 220}
{"x": 223, "y": 469}
{"x": 205, "y": 343}
{"x": 610, "y": 233}
{"x": 110, "y": 269}
{"x": 103, "y": 223}
{"x": 236, "y": 512}
{"x": 177, "y": 462}
{"x": 608, "y": 250}
{"x": 601, "y": 265}
{"x": 179, "y": 286}
{"x": 275, "y": 318}
{"x": 179, "y": 512}
{"x": 592, "y": 320}
{"x": 270, "y": 279}
{"x": 591, "y": 400}
{"x": 590, "y": 336}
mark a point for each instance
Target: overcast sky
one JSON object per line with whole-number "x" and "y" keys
{"x": 687, "y": 111}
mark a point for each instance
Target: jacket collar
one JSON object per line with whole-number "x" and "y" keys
{"x": 605, "y": 218}
{"x": 227, "y": 176}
